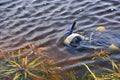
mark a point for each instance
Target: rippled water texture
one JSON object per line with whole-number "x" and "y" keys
{"x": 44, "y": 22}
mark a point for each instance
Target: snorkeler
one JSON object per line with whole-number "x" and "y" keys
{"x": 99, "y": 39}
{"x": 74, "y": 39}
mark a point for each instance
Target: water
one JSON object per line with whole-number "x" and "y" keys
{"x": 44, "y": 23}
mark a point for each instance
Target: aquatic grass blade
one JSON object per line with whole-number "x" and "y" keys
{"x": 35, "y": 65}
{"x": 109, "y": 70}
{"x": 83, "y": 77}
{"x": 5, "y": 73}
{"x": 25, "y": 74}
{"x": 90, "y": 72}
{"x": 33, "y": 62}
{"x": 33, "y": 75}
{"x": 72, "y": 76}
{"x": 19, "y": 55}
{"x": 17, "y": 75}
{"x": 115, "y": 66}
{"x": 15, "y": 63}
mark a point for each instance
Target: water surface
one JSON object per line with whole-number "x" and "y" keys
{"x": 44, "y": 22}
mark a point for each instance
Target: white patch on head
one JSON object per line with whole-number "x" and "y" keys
{"x": 70, "y": 38}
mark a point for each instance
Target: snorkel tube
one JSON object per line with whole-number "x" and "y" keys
{"x": 72, "y": 28}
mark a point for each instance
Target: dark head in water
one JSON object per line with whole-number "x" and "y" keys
{"x": 74, "y": 40}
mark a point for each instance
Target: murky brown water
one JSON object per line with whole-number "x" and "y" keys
{"x": 44, "y": 22}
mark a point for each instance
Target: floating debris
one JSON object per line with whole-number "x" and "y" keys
{"x": 113, "y": 47}
{"x": 101, "y": 28}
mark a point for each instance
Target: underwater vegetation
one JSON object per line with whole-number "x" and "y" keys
{"x": 32, "y": 63}
{"x": 108, "y": 74}
{"x": 95, "y": 71}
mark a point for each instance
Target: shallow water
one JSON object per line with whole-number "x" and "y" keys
{"x": 44, "y": 22}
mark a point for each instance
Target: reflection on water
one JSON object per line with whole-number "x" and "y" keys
{"x": 44, "y": 22}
